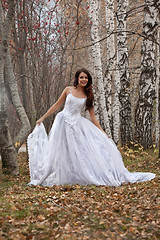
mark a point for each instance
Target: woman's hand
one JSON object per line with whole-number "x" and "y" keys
{"x": 39, "y": 121}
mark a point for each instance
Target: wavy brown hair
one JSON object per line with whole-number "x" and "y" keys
{"x": 87, "y": 89}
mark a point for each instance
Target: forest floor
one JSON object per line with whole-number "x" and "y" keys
{"x": 131, "y": 211}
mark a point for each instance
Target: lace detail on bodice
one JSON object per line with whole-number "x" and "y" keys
{"x": 73, "y": 108}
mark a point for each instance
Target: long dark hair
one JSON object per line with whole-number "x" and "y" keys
{"x": 87, "y": 89}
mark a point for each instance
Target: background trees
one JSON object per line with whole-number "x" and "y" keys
{"x": 116, "y": 41}
{"x": 123, "y": 67}
{"x": 147, "y": 82}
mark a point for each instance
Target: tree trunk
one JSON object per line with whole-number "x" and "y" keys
{"x": 96, "y": 54}
{"x": 158, "y": 67}
{"x": 23, "y": 82}
{"x": 7, "y": 150}
{"x": 159, "y": 120}
{"x": 123, "y": 66}
{"x": 157, "y": 91}
{"x": 12, "y": 89}
{"x": 143, "y": 117}
{"x": 112, "y": 75}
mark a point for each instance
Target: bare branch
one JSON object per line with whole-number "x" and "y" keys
{"x": 115, "y": 32}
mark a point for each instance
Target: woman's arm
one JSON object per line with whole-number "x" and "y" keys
{"x": 94, "y": 119}
{"x": 55, "y": 106}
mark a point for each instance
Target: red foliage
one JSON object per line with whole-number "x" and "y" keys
{"x": 34, "y": 38}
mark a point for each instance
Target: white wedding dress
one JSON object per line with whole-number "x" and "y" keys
{"x": 76, "y": 152}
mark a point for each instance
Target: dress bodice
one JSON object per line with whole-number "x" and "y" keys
{"x": 73, "y": 108}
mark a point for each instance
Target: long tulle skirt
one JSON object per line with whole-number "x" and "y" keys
{"x": 76, "y": 154}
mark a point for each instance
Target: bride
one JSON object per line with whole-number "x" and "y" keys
{"x": 77, "y": 150}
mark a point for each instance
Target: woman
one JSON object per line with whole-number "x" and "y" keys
{"x": 77, "y": 151}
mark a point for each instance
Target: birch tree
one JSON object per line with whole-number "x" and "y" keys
{"x": 112, "y": 74}
{"x": 157, "y": 86}
{"x": 123, "y": 66}
{"x": 159, "y": 120}
{"x": 13, "y": 95}
{"x": 96, "y": 54}
{"x": 143, "y": 118}
{"x": 7, "y": 150}
{"x": 20, "y": 38}
{"x": 158, "y": 72}
{"x": 8, "y": 146}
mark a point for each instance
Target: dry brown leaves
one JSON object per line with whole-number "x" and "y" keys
{"x": 81, "y": 212}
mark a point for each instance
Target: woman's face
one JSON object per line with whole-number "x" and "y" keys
{"x": 82, "y": 79}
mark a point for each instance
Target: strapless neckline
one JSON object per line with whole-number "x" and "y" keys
{"x": 75, "y": 96}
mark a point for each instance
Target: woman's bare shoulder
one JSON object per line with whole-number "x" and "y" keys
{"x": 68, "y": 89}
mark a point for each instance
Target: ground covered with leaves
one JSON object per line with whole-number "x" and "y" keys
{"x": 82, "y": 212}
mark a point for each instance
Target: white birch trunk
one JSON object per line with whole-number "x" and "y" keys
{"x": 96, "y": 54}
{"x": 116, "y": 107}
{"x": 7, "y": 150}
{"x": 110, "y": 51}
{"x": 158, "y": 11}
{"x": 112, "y": 78}
{"x": 148, "y": 77}
{"x": 159, "y": 121}
{"x": 123, "y": 66}
{"x": 11, "y": 84}
{"x": 157, "y": 85}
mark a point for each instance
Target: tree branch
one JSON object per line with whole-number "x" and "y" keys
{"x": 115, "y": 32}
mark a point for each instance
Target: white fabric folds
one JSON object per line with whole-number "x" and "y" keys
{"x": 76, "y": 152}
